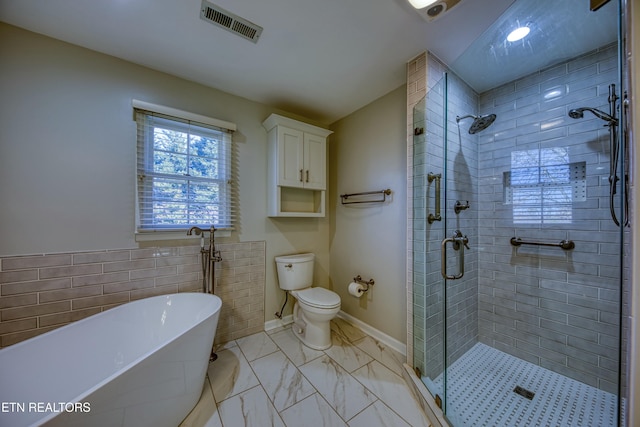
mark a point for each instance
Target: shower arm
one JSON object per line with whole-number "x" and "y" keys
{"x": 458, "y": 118}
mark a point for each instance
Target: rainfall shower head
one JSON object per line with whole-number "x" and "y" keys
{"x": 578, "y": 113}
{"x": 479, "y": 122}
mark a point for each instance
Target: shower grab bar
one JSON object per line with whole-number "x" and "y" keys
{"x": 431, "y": 177}
{"x": 384, "y": 194}
{"x": 459, "y": 243}
{"x": 564, "y": 244}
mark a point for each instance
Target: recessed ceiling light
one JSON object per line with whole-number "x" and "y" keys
{"x": 518, "y": 34}
{"x": 421, "y": 4}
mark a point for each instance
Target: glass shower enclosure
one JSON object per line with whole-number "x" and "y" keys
{"x": 517, "y": 260}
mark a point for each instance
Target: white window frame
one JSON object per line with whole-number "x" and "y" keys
{"x": 179, "y": 120}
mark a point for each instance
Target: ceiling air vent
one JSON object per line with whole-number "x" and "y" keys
{"x": 230, "y": 22}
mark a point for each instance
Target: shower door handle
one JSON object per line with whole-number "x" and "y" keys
{"x": 459, "y": 243}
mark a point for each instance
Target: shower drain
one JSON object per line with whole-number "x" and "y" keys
{"x": 524, "y": 392}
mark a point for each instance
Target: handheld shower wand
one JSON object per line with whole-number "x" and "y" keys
{"x": 614, "y": 148}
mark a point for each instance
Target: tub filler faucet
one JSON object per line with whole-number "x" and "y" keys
{"x": 214, "y": 255}
{"x": 196, "y": 230}
{"x": 209, "y": 258}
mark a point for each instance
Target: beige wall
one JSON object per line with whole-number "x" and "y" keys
{"x": 368, "y": 153}
{"x": 67, "y": 153}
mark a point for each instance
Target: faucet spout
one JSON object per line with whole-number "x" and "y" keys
{"x": 197, "y": 230}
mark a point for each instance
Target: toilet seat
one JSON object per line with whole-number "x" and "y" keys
{"x": 318, "y": 298}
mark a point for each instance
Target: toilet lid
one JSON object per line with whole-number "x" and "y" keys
{"x": 319, "y": 297}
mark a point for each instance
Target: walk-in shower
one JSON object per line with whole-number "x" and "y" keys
{"x": 528, "y": 333}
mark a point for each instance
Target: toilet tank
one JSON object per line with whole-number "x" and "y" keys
{"x": 295, "y": 271}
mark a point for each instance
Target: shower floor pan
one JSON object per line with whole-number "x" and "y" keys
{"x": 481, "y": 393}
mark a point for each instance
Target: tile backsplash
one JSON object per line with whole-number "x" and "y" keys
{"x": 39, "y": 293}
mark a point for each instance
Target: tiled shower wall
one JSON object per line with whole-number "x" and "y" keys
{"x": 416, "y": 89}
{"x": 558, "y": 309}
{"x": 39, "y": 293}
{"x": 461, "y": 185}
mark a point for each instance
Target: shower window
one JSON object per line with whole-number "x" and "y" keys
{"x": 543, "y": 185}
{"x": 184, "y": 174}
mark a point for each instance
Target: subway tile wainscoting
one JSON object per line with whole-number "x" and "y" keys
{"x": 39, "y": 293}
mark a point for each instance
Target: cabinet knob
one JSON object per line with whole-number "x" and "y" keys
{"x": 307, "y": 175}
{"x": 301, "y": 175}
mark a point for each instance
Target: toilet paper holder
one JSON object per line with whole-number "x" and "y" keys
{"x": 358, "y": 279}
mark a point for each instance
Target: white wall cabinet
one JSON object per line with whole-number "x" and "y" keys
{"x": 297, "y": 156}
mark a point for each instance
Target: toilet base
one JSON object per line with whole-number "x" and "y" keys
{"x": 313, "y": 329}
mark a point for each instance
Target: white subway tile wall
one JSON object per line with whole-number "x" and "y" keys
{"x": 461, "y": 185}
{"x": 416, "y": 90}
{"x": 39, "y": 293}
{"x": 557, "y": 309}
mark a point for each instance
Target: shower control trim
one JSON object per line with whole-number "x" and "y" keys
{"x": 460, "y": 207}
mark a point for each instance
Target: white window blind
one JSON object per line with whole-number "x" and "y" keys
{"x": 184, "y": 170}
{"x": 543, "y": 186}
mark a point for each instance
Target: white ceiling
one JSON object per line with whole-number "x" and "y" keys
{"x": 321, "y": 59}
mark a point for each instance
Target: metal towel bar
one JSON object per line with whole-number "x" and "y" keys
{"x": 564, "y": 244}
{"x": 384, "y": 193}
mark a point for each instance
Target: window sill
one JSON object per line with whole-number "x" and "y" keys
{"x": 150, "y": 236}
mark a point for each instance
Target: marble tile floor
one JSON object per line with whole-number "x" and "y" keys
{"x": 271, "y": 379}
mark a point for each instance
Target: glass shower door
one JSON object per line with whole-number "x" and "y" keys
{"x": 428, "y": 232}
{"x": 445, "y": 237}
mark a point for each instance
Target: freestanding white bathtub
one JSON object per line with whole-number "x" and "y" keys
{"x": 139, "y": 364}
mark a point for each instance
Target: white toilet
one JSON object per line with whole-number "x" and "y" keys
{"x": 314, "y": 307}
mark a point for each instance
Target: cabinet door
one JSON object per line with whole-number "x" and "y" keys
{"x": 290, "y": 157}
{"x": 315, "y": 153}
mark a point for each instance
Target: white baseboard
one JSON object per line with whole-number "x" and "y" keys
{"x": 375, "y": 333}
{"x": 278, "y": 323}
{"x": 365, "y": 327}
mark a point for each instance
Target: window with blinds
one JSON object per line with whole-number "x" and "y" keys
{"x": 184, "y": 172}
{"x": 543, "y": 186}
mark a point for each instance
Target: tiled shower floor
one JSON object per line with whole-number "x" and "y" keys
{"x": 273, "y": 380}
{"x": 481, "y": 384}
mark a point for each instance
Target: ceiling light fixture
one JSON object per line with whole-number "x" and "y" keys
{"x": 421, "y": 4}
{"x": 518, "y": 34}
